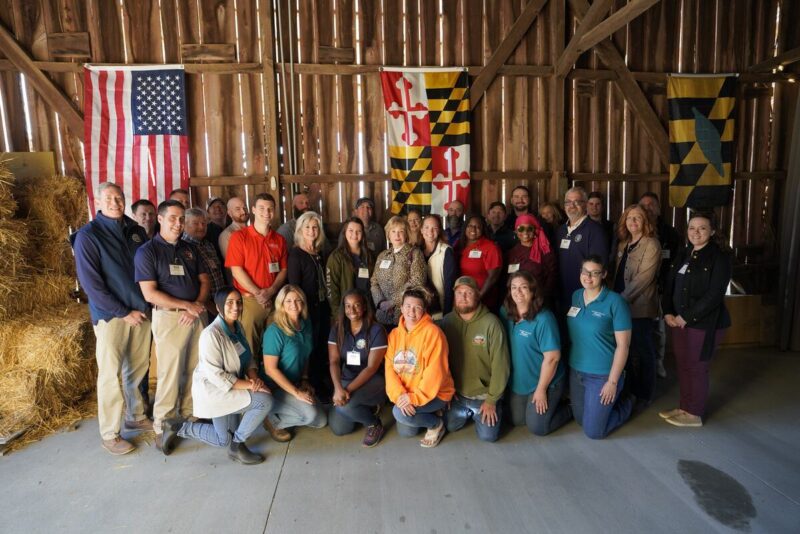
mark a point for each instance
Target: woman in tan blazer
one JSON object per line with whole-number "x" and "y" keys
{"x": 635, "y": 278}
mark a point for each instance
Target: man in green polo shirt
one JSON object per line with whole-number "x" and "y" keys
{"x": 479, "y": 362}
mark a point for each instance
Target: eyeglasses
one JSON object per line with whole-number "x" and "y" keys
{"x": 568, "y": 203}
{"x": 592, "y": 274}
{"x": 525, "y": 229}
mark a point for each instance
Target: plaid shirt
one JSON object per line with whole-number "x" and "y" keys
{"x": 212, "y": 261}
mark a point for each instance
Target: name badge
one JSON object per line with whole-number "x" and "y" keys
{"x": 274, "y": 267}
{"x": 385, "y": 264}
{"x": 363, "y": 272}
{"x": 513, "y": 267}
{"x": 475, "y": 253}
{"x": 239, "y": 348}
{"x": 353, "y": 357}
{"x": 565, "y": 243}
{"x": 665, "y": 254}
{"x": 176, "y": 270}
{"x": 682, "y": 270}
{"x": 573, "y": 311}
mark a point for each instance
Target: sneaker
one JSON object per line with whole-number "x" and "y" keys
{"x": 238, "y": 452}
{"x": 373, "y": 435}
{"x": 661, "y": 371}
{"x": 140, "y": 425}
{"x": 685, "y": 419}
{"x": 118, "y": 446}
{"x": 670, "y": 413}
{"x": 278, "y": 434}
{"x": 433, "y": 436}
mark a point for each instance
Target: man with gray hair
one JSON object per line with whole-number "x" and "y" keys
{"x": 578, "y": 238}
{"x": 104, "y": 258}
{"x": 194, "y": 232}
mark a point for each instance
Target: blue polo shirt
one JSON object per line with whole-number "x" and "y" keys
{"x": 154, "y": 261}
{"x": 292, "y": 351}
{"x": 358, "y": 343}
{"x": 587, "y": 239}
{"x": 529, "y": 340}
{"x": 591, "y": 331}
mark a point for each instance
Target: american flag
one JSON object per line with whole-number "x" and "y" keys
{"x": 136, "y": 131}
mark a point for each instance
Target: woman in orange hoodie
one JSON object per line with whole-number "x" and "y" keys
{"x": 418, "y": 379}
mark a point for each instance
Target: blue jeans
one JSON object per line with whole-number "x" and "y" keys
{"x": 287, "y": 411}
{"x": 559, "y": 412}
{"x": 218, "y": 433}
{"x": 425, "y": 416}
{"x": 597, "y": 419}
{"x": 642, "y": 377}
{"x": 463, "y": 409}
{"x": 360, "y": 408}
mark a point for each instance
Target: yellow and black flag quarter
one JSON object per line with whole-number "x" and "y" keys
{"x": 701, "y": 147}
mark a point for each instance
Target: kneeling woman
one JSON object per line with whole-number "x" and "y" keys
{"x": 599, "y": 323}
{"x": 287, "y": 346}
{"x": 418, "y": 379}
{"x": 538, "y": 374}
{"x": 225, "y": 384}
{"x": 356, "y": 347}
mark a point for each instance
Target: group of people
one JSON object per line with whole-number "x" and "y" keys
{"x": 466, "y": 318}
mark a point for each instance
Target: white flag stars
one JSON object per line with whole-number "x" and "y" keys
{"x": 158, "y": 105}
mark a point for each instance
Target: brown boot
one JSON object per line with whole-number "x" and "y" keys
{"x": 278, "y": 434}
{"x": 118, "y": 446}
{"x": 141, "y": 425}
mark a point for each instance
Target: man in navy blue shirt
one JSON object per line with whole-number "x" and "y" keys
{"x": 104, "y": 252}
{"x": 174, "y": 279}
{"x": 578, "y": 238}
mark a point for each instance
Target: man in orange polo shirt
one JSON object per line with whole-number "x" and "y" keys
{"x": 257, "y": 259}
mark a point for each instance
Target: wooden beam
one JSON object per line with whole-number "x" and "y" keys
{"x": 614, "y": 22}
{"x": 557, "y": 116}
{"x": 504, "y": 51}
{"x": 784, "y": 58}
{"x": 41, "y": 83}
{"x": 224, "y": 52}
{"x": 270, "y": 99}
{"x": 72, "y": 44}
{"x": 630, "y": 89}
{"x": 586, "y": 21}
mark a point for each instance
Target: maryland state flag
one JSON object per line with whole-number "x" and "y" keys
{"x": 428, "y": 126}
{"x": 701, "y": 148}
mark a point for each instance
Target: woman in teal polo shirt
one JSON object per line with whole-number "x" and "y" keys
{"x": 286, "y": 346}
{"x": 599, "y": 323}
{"x": 538, "y": 376}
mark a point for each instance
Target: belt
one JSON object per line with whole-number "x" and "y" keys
{"x": 160, "y": 308}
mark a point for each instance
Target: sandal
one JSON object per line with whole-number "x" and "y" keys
{"x": 433, "y": 436}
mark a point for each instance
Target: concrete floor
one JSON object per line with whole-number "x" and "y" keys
{"x": 741, "y": 472}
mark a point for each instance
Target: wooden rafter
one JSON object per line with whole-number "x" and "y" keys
{"x": 270, "y": 99}
{"x": 782, "y": 59}
{"x": 587, "y": 22}
{"x": 630, "y": 89}
{"x": 614, "y": 22}
{"x": 504, "y": 51}
{"x": 49, "y": 92}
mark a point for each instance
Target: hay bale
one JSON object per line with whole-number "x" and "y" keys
{"x": 8, "y": 206}
{"x": 50, "y": 373}
{"x": 13, "y": 242}
{"x": 53, "y": 204}
{"x": 30, "y": 293}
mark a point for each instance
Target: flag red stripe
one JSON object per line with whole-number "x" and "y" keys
{"x": 102, "y": 147}
{"x": 135, "y": 171}
{"x": 168, "y": 155}
{"x": 122, "y": 123}
{"x": 184, "y": 162}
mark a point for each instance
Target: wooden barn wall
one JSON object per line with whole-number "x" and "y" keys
{"x": 333, "y": 123}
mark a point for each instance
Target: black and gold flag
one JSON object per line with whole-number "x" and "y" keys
{"x": 701, "y": 148}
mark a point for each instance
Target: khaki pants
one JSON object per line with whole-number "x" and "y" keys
{"x": 254, "y": 322}
{"x": 121, "y": 350}
{"x": 178, "y": 349}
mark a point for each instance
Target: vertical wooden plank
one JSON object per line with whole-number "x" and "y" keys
{"x": 558, "y": 88}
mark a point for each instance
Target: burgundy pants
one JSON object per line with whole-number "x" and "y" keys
{"x": 687, "y": 343}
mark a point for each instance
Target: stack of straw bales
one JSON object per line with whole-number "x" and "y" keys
{"x": 47, "y": 366}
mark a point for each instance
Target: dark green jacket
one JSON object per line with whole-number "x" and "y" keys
{"x": 340, "y": 274}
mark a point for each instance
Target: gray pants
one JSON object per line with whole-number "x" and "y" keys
{"x": 523, "y": 411}
{"x": 287, "y": 411}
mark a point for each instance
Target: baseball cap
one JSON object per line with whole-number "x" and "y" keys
{"x": 362, "y": 200}
{"x": 466, "y": 281}
{"x": 211, "y": 200}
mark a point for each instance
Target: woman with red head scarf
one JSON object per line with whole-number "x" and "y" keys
{"x": 533, "y": 254}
